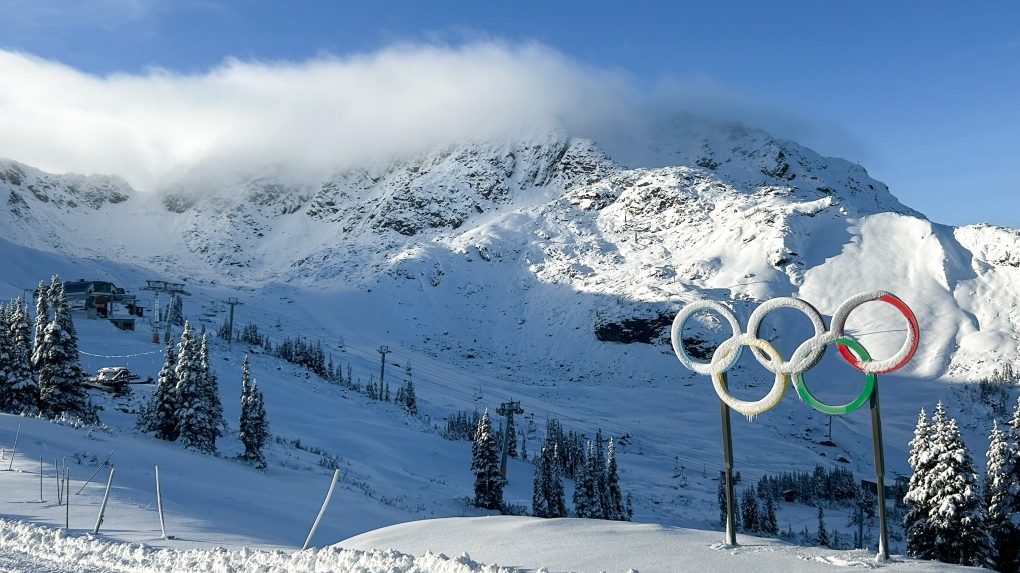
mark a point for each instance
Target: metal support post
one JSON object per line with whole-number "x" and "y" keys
{"x": 15, "y": 450}
{"x": 230, "y": 324}
{"x": 876, "y": 435}
{"x": 727, "y": 436}
{"x": 383, "y": 350}
{"x": 507, "y": 409}
{"x": 102, "y": 508}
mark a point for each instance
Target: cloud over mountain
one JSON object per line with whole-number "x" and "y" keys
{"x": 316, "y": 116}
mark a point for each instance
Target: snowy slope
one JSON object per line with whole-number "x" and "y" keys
{"x": 535, "y": 269}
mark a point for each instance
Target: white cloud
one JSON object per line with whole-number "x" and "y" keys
{"x": 318, "y": 115}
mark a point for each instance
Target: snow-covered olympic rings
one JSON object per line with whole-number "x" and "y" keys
{"x": 804, "y": 357}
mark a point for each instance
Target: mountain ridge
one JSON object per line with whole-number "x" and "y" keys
{"x": 743, "y": 216}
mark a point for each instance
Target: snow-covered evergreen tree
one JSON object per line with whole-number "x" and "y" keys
{"x": 6, "y": 383}
{"x": 211, "y": 388}
{"x": 160, "y": 414}
{"x": 720, "y": 494}
{"x": 253, "y": 425}
{"x": 176, "y": 310}
{"x": 1001, "y": 489}
{"x": 406, "y": 396}
{"x": 548, "y": 499}
{"x": 947, "y": 488}
{"x": 485, "y": 466}
{"x": 767, "y": 519}
{"x": 919, "y": 499}
{"x": 42, "y": 319}
{"x": 511, "y": 436}
{"x": 822, "y": 536}
{"x": 197, "y": 424}
{"x": 749, "y": 510}
{"x": 586, "y": 494}
{"x": 61, "y": 380}
{"x": 539, "y": 486}
{"x": 21, "y": 392}
{"x": 614, "y": 508}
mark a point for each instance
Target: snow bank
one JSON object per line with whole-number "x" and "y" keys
{"x": 34, "y": 548}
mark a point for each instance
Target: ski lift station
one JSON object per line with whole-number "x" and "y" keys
{"x": 102, "y": 300}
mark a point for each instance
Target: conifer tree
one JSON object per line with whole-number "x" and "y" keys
{"x": 6, "y": 383}
{"x": 211, "y": 389}
{"x": 586, "y": 491}
{"x": 539, "y": 485}
{"x": 598, "y": 469}
{"x": 42, "y": 318}
{"x": 160, "y": 414}
{"x": 61, "y": 380}
{"x": 954, "y": 521}
{"x": 1001, "y": 489}
{"x": 485, "y": 466}
{"x": 918, "y": 499}
{"x": 822, "y": 537}
{"x": 555, "y": 497}
{"x": 196, "y": 421}
{"x": 254, "y": 425}
{"x": 407, "y": 398}
{"x": 749, "y": 510}
{"x": 614, "y": 508}
{"x": 511, "y": 447}
{"x": 22, "y": 392}
{"x": 720, "y": 493}
{"x": 767, "y": 519}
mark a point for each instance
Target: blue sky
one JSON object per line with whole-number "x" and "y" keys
{"x": 923, "y": 94}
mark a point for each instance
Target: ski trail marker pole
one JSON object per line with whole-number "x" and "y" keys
{"x": 336, "y": 474}
{"x": 16, "y": 436}
{"x": 102, "y": 508}
{"x": 67, "y": 502}
{"x": 159, "y": 505}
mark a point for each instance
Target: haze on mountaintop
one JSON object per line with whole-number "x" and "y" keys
{"x": 308, "y": 119}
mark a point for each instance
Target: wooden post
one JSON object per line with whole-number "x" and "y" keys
{"x": 67, "y": 502}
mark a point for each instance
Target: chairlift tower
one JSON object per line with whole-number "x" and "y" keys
{"x": 167, "y": 288}
{"x": 383, "y": 350}
{"x": 507, "y": 409}
{"x": 230, "y": 324}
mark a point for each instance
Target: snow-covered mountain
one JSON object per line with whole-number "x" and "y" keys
{"x": 537, "y": 268}
{"x": 500, "y": 225}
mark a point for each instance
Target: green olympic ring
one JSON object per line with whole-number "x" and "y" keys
{"x": 869, "y": 384}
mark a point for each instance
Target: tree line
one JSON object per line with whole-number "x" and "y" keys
{"x": 597, "y": 493}
{"x": 312, "y": 357}
{"x": 186, "y": 408}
